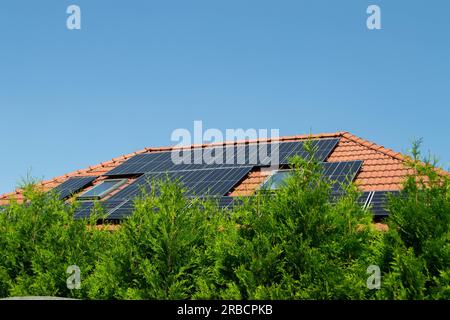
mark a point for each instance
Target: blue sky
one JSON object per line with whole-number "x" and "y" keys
{"x": 137, "y": 70}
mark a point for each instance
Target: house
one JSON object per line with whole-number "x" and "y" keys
{"x": 376, "y": 170}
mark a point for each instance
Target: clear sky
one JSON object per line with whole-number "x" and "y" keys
{"x": 137, "y": 70}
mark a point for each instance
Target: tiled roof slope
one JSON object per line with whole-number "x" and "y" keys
{"x": 383, "y": 169}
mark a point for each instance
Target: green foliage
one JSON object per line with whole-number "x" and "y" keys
{"x": 292, "y": 243}
{"x": 416, "y": 250}
{"x": 158, "y": 253}
{"x": 295, "y": 244}
{"x": 39, "y": 240}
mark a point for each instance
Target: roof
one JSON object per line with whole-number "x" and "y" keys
{"x": 382, "y": 169}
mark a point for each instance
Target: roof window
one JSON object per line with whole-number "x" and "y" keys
{"x": 101, "y": 190}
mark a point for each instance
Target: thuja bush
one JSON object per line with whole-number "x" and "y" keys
{"x": 159, "y": 252}
{"x": 415, "y": 253}
{"x": 39, "y": 240}
{"x": 293, "y": 244}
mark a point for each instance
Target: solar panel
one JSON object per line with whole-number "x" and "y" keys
{"x": 362, "y": 199}
{"x": 365, "y": 198}
{"x": 73, "y": 185}
{"x": 322, "y": 147}
{"x": 121, "y": 209}
{"x": 83, "y": 210}
{"x": 375, "y": 201}
{"x": 225, "y": 202}
{"x": 341, "y": 172}
{"x": 228, "y": 202}
{"x": 379, "y": 201}
{"x": 216, "y": 181}
{"x": 222, "y": 156}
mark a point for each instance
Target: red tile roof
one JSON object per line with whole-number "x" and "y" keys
{"x": 383, "y": 169}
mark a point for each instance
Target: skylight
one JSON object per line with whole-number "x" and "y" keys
{"x": 102, "y": 189}
{"x": 276, "y": 180}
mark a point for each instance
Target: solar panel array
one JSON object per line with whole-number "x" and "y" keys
{"x": 223, "y": 156}
{"x": 211, "y": 171}
{"x": 375, "y": 201}
{"x": 85, "y": 208}
{"x": 228, "y": 166}
{"x": 213, "y": 182}
{"x": 72, "y": 186}
{"x": 122, "y": 209}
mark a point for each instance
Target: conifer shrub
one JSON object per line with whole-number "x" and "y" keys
{"x": 296, "y": 242}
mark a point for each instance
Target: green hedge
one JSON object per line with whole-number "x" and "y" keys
{"x": 293, "y": 244}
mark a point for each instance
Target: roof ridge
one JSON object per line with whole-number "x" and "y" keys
{"x": 389, "y": 152}
{"x": 228, "y": 142}
{"x": 369, "y": 144}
